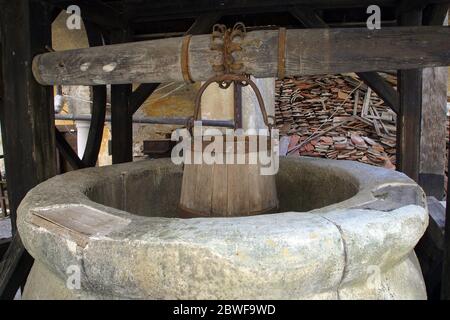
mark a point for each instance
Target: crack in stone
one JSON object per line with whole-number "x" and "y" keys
{"x": 344, "y": 244}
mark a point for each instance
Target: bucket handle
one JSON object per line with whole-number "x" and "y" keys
{"x": 225, "y": 79}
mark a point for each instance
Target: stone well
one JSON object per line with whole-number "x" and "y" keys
{"x": 345, "y": 231}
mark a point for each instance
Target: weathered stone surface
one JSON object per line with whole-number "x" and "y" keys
{"x": 331, "y": 250}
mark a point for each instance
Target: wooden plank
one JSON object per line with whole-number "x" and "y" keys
{"x": 67, "y": 152}
{"x": 220, "y": 191}
{"x": 204, "y": 182}
{"x": 188, "y": 189}
{"x": 309, "y": 51}
{"x": 410, "y": 116}
{"x": 434, "y": 110}
{"x": 433, "y": 131}
{"x": 81, "y": 219}
{"x": 27, "y": 122}
{"x": 238, "y": 190}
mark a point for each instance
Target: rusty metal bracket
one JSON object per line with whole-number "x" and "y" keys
{"x": 224, "y": 41}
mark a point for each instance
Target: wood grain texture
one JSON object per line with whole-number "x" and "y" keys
{"x": 309, "y": 51}
{"x": 27, "y": 123}
{"x": 410, "y": 116}
{"x": 227, "y": 190}
{"x": 434, "y": 129}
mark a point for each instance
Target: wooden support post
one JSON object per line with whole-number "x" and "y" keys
{"x": 27, "y": 122}
{"x": 445, "y": 283}
{"x": 433, "y": 132}
{"x": 434, "y": 118}
{"x": 121, "y": 124}
{"x": 121, "y": 113}
{"x": 410, "y": 116}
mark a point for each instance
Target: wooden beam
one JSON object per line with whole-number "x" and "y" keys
{"x": 433, "y": 132}
{"x": 140, "y": 94}
{"x": 201, "y": 25}
{"x": 309, "y": 51}
{"x": 309, "y": 18}
{"x": 121, "y": 113}
{"x": 382, "y": 88}
{"x": 434, "y": 119}
{"x": 27, "y": 122}
{"x": 410, "y": 116}
{"x": 167, "y": 9}
{"x": 15, "y": 267}
{"x": 67, "y": 152}
{"x": 204, "y": 23}
{"x": 435, "y": 15}
{"x": 4, "y": 244}
{"x": 445, "y": 283}
{"x": 27, "y": 113}
{"x": 121, "y": 124}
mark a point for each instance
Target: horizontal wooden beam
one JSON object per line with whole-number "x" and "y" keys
{"x": 310, "y": 19}
{"x": 308, "y": 52}
{"x": 158, "y": 9}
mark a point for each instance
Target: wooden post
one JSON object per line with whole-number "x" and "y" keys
{"x": 445, "y": 283}
{"x": 121, "y": 114}
{"x": 27, "y": 122}
{"x": 410, "y": 116}
{"x": 434, "y": 118}
{"x": 434, "y": 130}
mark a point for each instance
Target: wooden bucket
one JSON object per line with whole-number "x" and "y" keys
{"x": 224, "y": 189}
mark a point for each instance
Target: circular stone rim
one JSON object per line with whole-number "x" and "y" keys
{"x": 315, "y": 245}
